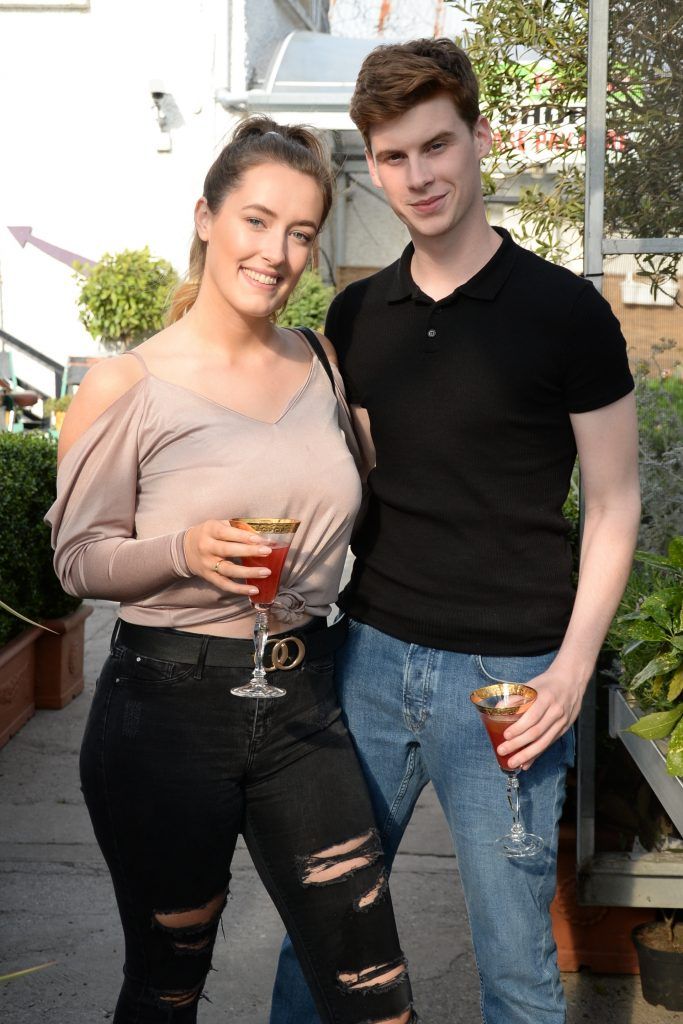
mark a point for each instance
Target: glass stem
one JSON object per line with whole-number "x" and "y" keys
{"x": 517, "y": 830}
{"x": 260, "y": 641}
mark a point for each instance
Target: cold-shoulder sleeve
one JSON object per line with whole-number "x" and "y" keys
{"x": 93, "y": 519}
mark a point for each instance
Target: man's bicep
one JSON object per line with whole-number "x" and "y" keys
{"x": 361, "y": 426}
{"x": 607, "y": 444}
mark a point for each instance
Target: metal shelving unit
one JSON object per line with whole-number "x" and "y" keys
{"x": 616, "y": 879}
{"x": 653, "y": 879}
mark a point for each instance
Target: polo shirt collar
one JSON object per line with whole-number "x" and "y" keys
{"x": 485, "y": 284}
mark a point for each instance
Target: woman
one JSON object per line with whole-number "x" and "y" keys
{"x": 222, "y": 414}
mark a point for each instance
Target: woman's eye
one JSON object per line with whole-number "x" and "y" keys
{"x": 255, "y": 221}
{"x": 301, "y": 236}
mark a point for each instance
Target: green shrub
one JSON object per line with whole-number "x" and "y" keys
{"x": 28, "y": 470}
{"x": 308, "y": 304}
{"x": 59, "y": 404}
{"x": 124, "y": 297}
{"x": 660, "y": 423}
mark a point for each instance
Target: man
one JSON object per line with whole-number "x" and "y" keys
{"x": 477, "y": 370}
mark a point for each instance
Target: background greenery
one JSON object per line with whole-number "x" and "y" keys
{"x": 123, "y": 298}
{"x": 28, "y": 470}
{"x": 524, "y": 47}
{"x": 308, "y": 304}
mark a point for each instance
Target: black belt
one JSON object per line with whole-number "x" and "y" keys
{"x": 283, "y": 652}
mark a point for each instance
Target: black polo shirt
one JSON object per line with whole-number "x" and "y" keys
{"x": 464, "y": 546}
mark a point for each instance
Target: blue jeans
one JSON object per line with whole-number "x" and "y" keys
{"x": 409, "y": 712}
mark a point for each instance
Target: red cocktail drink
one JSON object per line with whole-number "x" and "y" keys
{"x": 495, "y": 727}
{"x": 268, "y": 587}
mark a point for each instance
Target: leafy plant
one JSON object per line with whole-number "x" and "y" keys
{"x": 308, "y": 303}
{"x": 647, "y": 635}
{"x": 123, "y": 298}
{"x": 28, "y": 470}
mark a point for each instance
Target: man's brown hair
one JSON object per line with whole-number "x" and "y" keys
{"x": 393, "y": 78}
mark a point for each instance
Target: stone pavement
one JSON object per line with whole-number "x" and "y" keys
{"x": 56, "y": 903}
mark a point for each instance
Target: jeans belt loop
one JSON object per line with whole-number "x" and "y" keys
{"x": 115, "y": 636}
{"x": 201, "y": 658}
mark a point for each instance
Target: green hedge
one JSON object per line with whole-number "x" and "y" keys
{"x": 28, "y": 473}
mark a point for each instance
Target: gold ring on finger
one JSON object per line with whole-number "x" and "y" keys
{"x": 215, "y": 568}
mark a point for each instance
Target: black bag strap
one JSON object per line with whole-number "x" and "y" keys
{"x": 315, "y": 343}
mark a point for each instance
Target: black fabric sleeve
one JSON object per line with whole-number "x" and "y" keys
{"x": 597, "y": 370}
{"x": 338, "y": 330}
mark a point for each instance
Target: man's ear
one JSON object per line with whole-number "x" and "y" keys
{"x": 372, "y": 167}
{"x": 483, "y": 137}
{"x": 202, "y": 218}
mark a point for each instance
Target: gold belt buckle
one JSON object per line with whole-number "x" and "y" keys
{"x": 280, "y": 654}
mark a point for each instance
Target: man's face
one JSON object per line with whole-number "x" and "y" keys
{"x": 427, "y": 163}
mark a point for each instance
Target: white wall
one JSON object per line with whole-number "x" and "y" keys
{"x": 78, "y": 146}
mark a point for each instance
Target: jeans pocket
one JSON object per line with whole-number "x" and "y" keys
{"x": 139, "y": 669}
{"x": 512, "y": 669}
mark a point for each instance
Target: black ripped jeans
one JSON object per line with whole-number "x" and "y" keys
{"x": 173, "y": 767}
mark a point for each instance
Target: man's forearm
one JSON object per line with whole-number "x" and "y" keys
{"x": 609, "y": 540}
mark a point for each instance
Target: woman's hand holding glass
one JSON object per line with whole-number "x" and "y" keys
{"x": 213, "y": 550}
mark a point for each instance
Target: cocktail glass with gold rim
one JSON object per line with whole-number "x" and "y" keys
{"x": 278, "y": 535}
{"x": 499, "y": 705}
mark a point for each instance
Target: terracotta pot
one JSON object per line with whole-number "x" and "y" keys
{"x": 17, "y": 667}
{"x": 594, "y": 937}
{"x": 59, "y": 660}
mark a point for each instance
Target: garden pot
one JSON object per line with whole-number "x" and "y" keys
{"x": 595, "y": 937}
{"x": 59, "y": 660}
{"x": 661, "y": 968}
{"x": 17, "y": 668}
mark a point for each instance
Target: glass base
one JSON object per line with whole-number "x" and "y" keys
{"x": 526, "y": 845}
{"x": 264, "y": 691}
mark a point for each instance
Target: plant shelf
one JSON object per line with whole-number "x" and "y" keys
{"x": 622, "y": 879}
{"x": 649, "y": 755}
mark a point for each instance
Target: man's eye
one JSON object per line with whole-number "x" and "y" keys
{"x": 437, "y": 145}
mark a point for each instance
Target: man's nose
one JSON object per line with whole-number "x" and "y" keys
{"x": 419, "y": 173}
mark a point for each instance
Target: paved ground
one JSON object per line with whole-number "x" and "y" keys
{"x": 56, "y": 903}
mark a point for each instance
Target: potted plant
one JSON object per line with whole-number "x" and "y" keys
{"x": 25, "y": 459}
{"x": 660, "y": 955}
{"x": 28, "y": 586}
{"x": 123, "y": 298}
{"x": 57, "y": 407}
{"x": 647, "y": 636}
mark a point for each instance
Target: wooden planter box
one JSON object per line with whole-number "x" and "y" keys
{"x": 59, "y": 660}
{"x": 17, "y": 667}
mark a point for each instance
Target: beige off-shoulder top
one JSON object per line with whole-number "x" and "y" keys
{"x": 162, "y": 458}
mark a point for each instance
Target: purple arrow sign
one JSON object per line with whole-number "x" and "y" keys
{"x": 24, "y": 235}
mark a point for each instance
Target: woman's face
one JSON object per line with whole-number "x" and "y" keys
{"x": 259, "y": 241}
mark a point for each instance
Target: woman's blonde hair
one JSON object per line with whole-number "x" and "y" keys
{"x": 255, "y": 141}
